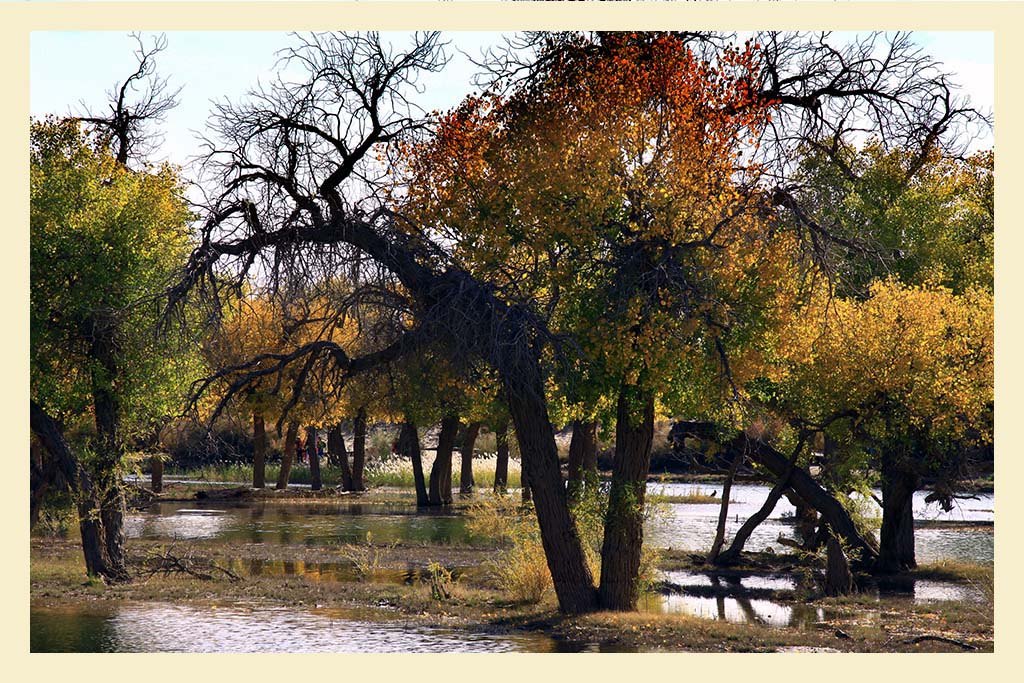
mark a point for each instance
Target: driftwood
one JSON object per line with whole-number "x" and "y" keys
{"x": 165, "y": 563}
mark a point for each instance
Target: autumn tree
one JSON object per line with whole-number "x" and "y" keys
{"x": 910, "y": 372}
{"x": 664, "y": 253}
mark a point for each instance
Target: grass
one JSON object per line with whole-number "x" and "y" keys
{"x": 391, "y": 472}
{"x": 695, "y": 495}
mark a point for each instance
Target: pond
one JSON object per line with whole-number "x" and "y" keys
{"x": 964, "y": 534}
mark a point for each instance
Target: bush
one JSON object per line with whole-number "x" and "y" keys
{"x": 521, "y": 570}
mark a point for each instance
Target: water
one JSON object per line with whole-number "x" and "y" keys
{"x": 296, "y": 523}
{"x": 964, "y": 534}
{"x": 692, "y": 526}
{"x": 752, "y": 599}
{"x": 157, "y": 627}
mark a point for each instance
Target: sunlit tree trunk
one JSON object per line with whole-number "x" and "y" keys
{"x": 314, "y": 459}
{"x": 623, "y": 530}
{"x": 575, "y": 473}
{"x": 501, "y": 466}
{"x": 259, "y": 450}
{"x": 409, "y": 447}
{"x": 336, "y": 449}
{"x": 291, "y": 445}
{"x": 466, "y": 471}
{"x": 358, "y": 450}
{"x": 441, "y": 471}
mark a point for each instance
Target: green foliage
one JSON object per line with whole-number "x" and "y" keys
{"x": 924, "y": 219}
{"x": 104, "y": 241}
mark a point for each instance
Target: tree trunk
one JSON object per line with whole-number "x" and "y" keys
{"x": 90, "y": 522}
{"x": 590, "y": 476}
{"x": 723, "y": 511}
{"x": 575, "y": 473}
{"x": 291, "y": 445}
{"x": 156, "y": 473}
{"x": 441, "y": 471}
{"x": 623, "y": 529}
{"x": 106, "y": 409}
{"x": 832, "y": 511}
{"x": 542, "y": 481}
{"x": 259, "y": 450}
{"x": 466, "y": 471}
{"x": 409, "y": 447}
{"x": 527, "y": 492}
{"x": 732, "y": 555}
{"x": 838, "y": 578}
{"x": 806, "y": 516}
{"x": 501, "y": 466}
{"x": 896, "y": 552}
{"x": 314, "y": 459}
{"x": 358, "y": 450}
{"x": 336, "y": 447}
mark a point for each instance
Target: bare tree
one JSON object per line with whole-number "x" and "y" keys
{"x": 142, "y": 99}
{"x": 302, "y": 198}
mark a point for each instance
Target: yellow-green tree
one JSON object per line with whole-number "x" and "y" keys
{"x": 904, "y": 381}
{"x": 104, "y": 241}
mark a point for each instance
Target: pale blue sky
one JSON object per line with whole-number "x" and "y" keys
{"x": 70, "y": 67}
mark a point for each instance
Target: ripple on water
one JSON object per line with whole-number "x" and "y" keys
{"x": 182, "y": 628}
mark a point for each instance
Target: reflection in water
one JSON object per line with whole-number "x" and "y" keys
{"x": 747, "y": 599}
{"x": 311, "y": 525}
{"x": 179, "y": 628}
{"x": 692, "y": 526}
{"x": 683, "y": 526}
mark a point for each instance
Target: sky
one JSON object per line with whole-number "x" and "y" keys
{"x": 70, "y": 68}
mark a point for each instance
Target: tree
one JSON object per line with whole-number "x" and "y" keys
{"x": 104, "y": 241}
{"x": 301, "y": 164}
{"x": 910, "y": 372}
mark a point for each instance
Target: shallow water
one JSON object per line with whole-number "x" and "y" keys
{"x": 156, "y": 627}
{"x": 692, "y": 526}
{"x": 681, "y": 526}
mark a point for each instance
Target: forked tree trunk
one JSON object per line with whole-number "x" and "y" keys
{"x": 336, "y": 447}
{"x": 441, "y": 471}
{"x": 156, "y": 473}
{"x": 466, "y": 470}
{"x": 575, "y": 473}
{"x": 832, "y": 511}
{"x": 259, "y": 450}
{"x": 732, "y": 555}
{"x": 896, "y": 551}
{"x": 315, "y": 483}
{"x": 358, "y": 450}
{"x": 291, "y": 445}
{"x": 501, "y": 466}
{"x": 84, "y": 492}
{"x": 623, "y": 529}
{"x": 723, "y": 510}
